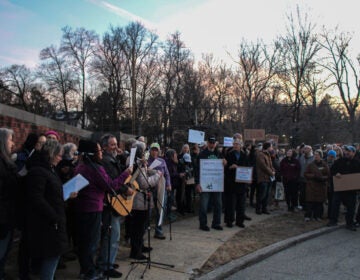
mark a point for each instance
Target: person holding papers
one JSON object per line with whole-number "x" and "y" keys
{"x": 210, "y": 152}
{"x": 235, "y": 192}
{"x": 161, "y": 166}
{"x": 46, "y": 219}
{"x": 90, "y": 202}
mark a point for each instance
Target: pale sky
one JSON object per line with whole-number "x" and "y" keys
{"x": 206, "y": 26}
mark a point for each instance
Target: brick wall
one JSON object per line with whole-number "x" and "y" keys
{"x": 23, "y": 123}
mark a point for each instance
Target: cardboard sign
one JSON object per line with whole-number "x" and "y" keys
{"x": 347, "y": 182}
{"x": 257, "y": 134}
{"x": 272, "y": 138}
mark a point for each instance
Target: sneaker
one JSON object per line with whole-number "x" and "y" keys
{"x": 217, "y": 227}
{"x": 112, "y": 273}
{"x": 247, "y": 218}
{"x": 205, "y": 228}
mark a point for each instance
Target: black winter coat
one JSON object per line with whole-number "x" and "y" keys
{"x": 8, "y": 190}
{"x": 230, "y": 174}
{"x": 46, "y": 218}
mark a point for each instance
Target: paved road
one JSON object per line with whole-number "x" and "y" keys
{"x": 334, "y": 255}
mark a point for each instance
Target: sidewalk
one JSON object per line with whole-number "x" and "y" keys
{"x": 188, "y": 250}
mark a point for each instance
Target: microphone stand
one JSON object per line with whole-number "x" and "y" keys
{"x": 113, "y": 194}
{"x": 148, "y": 262}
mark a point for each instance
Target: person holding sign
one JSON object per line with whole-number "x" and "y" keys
{"x": 235, "y": 192}
{"x": 209, "y": 153}
{"x": 346, "y": 165}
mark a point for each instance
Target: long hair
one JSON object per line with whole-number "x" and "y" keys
{"x": 50, "y": 150}
{"x": 5, "y": 133}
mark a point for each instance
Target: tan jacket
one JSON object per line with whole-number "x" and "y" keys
{"x": 264, "y": 168}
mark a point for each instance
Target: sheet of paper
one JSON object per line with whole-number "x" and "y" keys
{"x": 74, "y": 185}
{"x": 155, "y": 164}
{"x": 132, "y": 156}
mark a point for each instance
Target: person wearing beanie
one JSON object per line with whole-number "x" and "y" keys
{"x": 345, "y": 165}
{"x": 52, "y": 134}
{"x": 330, "y": 159}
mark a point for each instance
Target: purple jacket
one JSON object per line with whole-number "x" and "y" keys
{"x": 91, "y": 198}
{"x": 163, "y": 168}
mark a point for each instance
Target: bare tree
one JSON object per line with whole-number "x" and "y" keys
{"x": 256, "y": 68}
{"x": 17, "y": 80}
{"x": 217, "y": 77}
{"x": 80, "y": 45}
{"x": 110, "y": 67}
{"x": 299, "y": 49}
{"x": 174, "y": 63}
{"x": 138, "y": 44}
{"x": 344, "y": 71}
{"x": 56, "y": 72}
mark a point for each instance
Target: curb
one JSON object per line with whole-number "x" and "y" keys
{"x": 234, "y": 266}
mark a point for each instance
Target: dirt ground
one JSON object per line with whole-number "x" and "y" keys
{"x": 257, "y": 236}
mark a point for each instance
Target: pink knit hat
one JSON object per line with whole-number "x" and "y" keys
{"x": 52, "y": 132}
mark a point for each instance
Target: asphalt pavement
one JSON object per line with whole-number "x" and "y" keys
{"x": 330, "y": 256}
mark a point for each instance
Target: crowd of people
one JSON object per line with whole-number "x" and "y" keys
{"x": 161, "y": 181}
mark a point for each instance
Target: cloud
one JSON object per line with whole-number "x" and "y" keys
{"x": 124, "y": 14}
{"x": 20, "y": 56}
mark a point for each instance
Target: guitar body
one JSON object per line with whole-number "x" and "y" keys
{"x": 125, "y": 205}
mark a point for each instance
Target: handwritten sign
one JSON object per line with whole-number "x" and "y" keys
{"x": 212, "y": 175}
{"x": 257, "y": 134}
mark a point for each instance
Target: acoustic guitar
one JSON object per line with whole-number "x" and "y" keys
{"x": 122, "y": 203}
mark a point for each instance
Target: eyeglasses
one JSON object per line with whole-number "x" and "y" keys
{"x": 76, "y": 153}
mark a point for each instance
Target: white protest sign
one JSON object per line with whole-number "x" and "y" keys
{"x": 196, "y": 136}
{"x": 228, "y": 141}
{"x": 212, "y": 175}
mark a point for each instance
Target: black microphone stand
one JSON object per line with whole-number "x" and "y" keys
{"x": 148, "y": 262}
{"x": 112, "y": 193}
